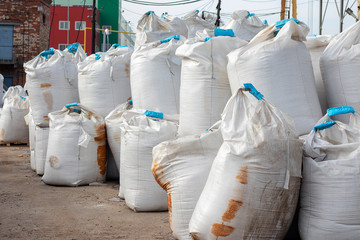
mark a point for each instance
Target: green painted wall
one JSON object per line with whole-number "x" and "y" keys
{"x": 109, "y": 15}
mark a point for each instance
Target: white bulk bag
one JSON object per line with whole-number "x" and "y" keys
{"x": 41, "y": 144}
{"x": 12, "y": 123}
{"x": 139, "y": 135}
{"x": 330, "y": 191}
{"x": 155, "y": 76}
{"x": 195, "y": 23}
{"x": 31, "y": 125}
{"x": 113, "y": 132}
{"x": 244, "y": 24}
{"x": 104, "y": 79}
{"x": 14, "y": 91}
{"x": 76, "y": 153}
{"x": 316, "y": 46}
{"x": 205, "y": 87}
{"x": 340, "y": 68}
{"x": 152, "y": 28}
{"x": 1, "y": 89}
{"x": 52, "y": 82}
{"x": 253, "y": 186}
{"x": 181, "y": 167}
{"x": 281, "y": 66}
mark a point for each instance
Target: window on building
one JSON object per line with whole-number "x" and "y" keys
{"x": 62, "y": 47}
{"x": 64, "y": 25}
{"x": 80, "y": 25}
{"x": 106, "y": 27}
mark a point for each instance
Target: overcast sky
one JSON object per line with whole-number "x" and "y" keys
{"x": 132, "y": 12}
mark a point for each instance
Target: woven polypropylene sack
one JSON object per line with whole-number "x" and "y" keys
{"x": 12, "y": 123}
{"x": 204, "y": 88}
{"x": 52, "y": 83}
{"x": 76, "y": 153}
{"x": 316, "y": 46}
{"x": 253, "y": 186}
{"x": 155, "y": 76}
{"x": 281, "y": 66}
{"x": 31, "y": 125}
{"x": 330, "y": 190}
{"x": 104, "y": 80}
{"x": 340, "y": 69}
{"x": 139, "y": 135}
{"x": 41, "y": 143}
{"x": 181, "y": 167}
{"x": 244, "y": 24}
{"x": 196, "y": 23}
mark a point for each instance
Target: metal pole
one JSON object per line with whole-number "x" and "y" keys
{"x": 294, "y": 8}
{"x": 218, "y": 7}
{"x": 341, "y": 14}
{"x": 320, "y": 17}
{"x": 93, "y": 28}
{"x": 282, "y": 12}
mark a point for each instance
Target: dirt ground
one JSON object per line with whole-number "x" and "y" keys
{"x": 29, "y": 209}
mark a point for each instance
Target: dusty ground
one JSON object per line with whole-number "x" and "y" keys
{"x": 29, "y": 209}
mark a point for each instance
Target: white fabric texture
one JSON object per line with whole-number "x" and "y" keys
{"x": 41, "y": 143}
{"x": 204, "y": 88}
{"x": 244, "y": 25}
{"x": 330, "y": 190}
{"x": 340, "y": 69}
{"x": 253, "y": 186}
{"x": 113, "y": 132}
{"x": 181, "y": 167}
{"x": 316, "y": 46}
{"x": 76, "y": 153}
{"x": 139, "y": 135}
{"x": 280, "y": 66}
{"x": 14, "y": 91}
{"x": 155, "y": 77}
{"x": 195, "y": 23}
{"x": 52, "y": 83}
{"x": 152, "y": 28}
{"x": 12, "y": 123}
{"x": 31, "y": 125}
{"x": 104, "y": 83}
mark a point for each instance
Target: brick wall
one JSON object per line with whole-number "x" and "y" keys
{"x": 31, "y": 36}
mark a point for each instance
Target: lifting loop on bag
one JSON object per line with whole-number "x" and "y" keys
{"x": 324, "y": 126}
{"x": 249, "y": 87}
{"x": 153, "y": 114}
{"x": 46, "y": 54}
{"x": 340, "y": 110}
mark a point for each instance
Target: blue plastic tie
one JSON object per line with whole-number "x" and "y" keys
{"x": 163, "y": 15}
{"x": 97, "y": 56}
{"x": 73, "y": 47}
{"x": 46, "y": 54}
{"x": 23, "y": 98}
{"x": 265, "y": 21}
{"x": 207, "y": 39}
{"x": 224, "y": 32}
{"x": 280, "y": 24}
{"x": 197, "y": 11}
{"x": 77, "y": 110}
{"x": 154, "y": 114}
{"x": 148, "y": 12}
{"x": 324, "y": 126}
{"x": 176, "y": 37}
{"x": 313, "y": 35}
{"x": 116, "y": 45}
{"x": 253, "y": 91}
{"x": 250, "y": 14}
{"x": 131, "y": 102}
{"x": 340, "y": 110}
{"x": 71, "y": 104}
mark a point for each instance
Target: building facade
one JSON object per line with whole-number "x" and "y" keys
{"x": 69, "y": 26}
{"x": 24, "y": 33}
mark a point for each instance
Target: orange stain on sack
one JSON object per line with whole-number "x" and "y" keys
{"x": 170, "y": 209}
{"x": 46, "y": 118}
{"x": 127, "y": 69}
{"x": 158, "y": 170}
{"x": 100, "y": 134}
{"x": 221, "y": 230}
{"x": 194, "y": 236}
{"x": 53, "y": 161}
{"x": 243, "y": 175}
{"x": 45, "y": 85}
{"x": 48, "y": 99}
{"x": 2, "y": 134}
{"x": 233, "y": 207}
{"x": 101, "y": 158}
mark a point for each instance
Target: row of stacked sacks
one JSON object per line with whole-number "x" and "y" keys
{"x": 242, "y": 177}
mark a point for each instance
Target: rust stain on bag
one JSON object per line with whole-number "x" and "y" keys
{"x": 101, "y": 158}
{"x": 45, "y": 85}
{"x": 243, "y": 175}
{"x": 2, "y": 134}
{"x": 221, "y": 230}
{"x": 46, "y": 118}
{"x": 48, "y": 99}
{"x": 158, "y": 170}
{"x": 53, "y": 161}
{"x": 100, "y": 134}
{"x": 127, "y": 69}
{"x": 170, "y": 209}
{"x": 117, "y": 137}
{"x": 233, "y": 207}
{"x": 194, "y": 236}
